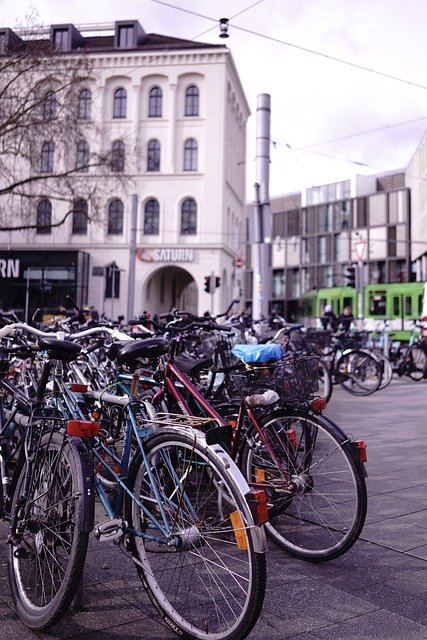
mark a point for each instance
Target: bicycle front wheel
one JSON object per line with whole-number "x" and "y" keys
{"x": 315, "y": 490}
{"x": 46, "y": 562}
{"x": 203, "y": 572}
{"x": 359, "y": 373}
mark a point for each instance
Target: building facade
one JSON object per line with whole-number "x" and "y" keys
{"x": 146, "y": 197}
{"x": 319, "y": 234}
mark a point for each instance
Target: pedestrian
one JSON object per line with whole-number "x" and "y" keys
{"x": 345, "y": 319}
{"x": 329, "y": 319}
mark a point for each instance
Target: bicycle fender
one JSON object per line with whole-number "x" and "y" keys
{"x": 260, "y": 540}
{"x": 86, "y": 515}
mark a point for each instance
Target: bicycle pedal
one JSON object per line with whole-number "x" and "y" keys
{"x": 110, "y": 529}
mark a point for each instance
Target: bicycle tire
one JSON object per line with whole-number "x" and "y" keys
{"x": 316, "y": 492}
{"x": 358, "y": 372}
{"x": 325, "y": 381}
{"x": 43, "y": 581}
{"x": 415, "y": 362}
{"x": 204, "y": 586}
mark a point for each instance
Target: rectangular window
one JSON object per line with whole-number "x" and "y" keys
{"x": 377, "y": 304}
{"x": 61, "y": 39}
{"x": 126, "y": 38}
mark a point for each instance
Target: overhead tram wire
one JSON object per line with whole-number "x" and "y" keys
{"x": 295, "y": 46}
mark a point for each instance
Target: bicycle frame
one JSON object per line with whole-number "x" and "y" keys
{"x": 172, "y": 376}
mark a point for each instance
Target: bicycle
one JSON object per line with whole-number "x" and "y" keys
{"x": 180, "y": 507}
{"x": 312, "y": 472}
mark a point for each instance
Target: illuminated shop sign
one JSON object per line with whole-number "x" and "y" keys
{"x": 165, "y": 255}
{"x": 9, "y": 268}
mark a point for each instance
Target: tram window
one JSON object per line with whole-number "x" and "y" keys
{"x": 408, "y": 306}
{"x": 377, "y": 305}
{"x": 396, "y": 306}
{"x": 322, "y": 305}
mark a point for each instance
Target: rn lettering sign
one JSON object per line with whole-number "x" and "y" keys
{"x": 9, "y": 268}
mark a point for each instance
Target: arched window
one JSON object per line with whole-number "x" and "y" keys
{"x": 153, "y": 155}
{"x": 192, "y": 101}
{"x": 118, "y": 156}
{"x": 190, "y": 155}
{"x": 82, "y": 156}
{"x": 119, "y": 106}
{"x": 151, "y": 218}
{"x": 189, "y": 217}
{"x": 155, "y": 103}
{"x": 49, "y": 106}
{"x": 44, "y": 217}
{"x": 48, "y": 150}
{"x": 85, "y": 104}
{"x": 115, "y": 217}
{"x": 80, "y": 218}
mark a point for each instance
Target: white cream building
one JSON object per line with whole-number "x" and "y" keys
{"x": 173, "y": 210}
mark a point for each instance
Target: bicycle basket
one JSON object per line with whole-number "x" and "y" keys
{"x": 311, "y": 340}
{"x": 293, "y": 379}
{"x": 218, "y": 347}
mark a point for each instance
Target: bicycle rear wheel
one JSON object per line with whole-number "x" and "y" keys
{"x": 358, "y": 372}
{"x": 416, "y": 362}
{"x": 208, "y": 581}
{"x": 315, "y": 488}
{"x": 46, "y": 562}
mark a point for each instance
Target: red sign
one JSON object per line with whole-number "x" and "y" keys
{"x": 239, "y": 263}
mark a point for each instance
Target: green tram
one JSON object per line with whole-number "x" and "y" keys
{"x": 399, "y": 303}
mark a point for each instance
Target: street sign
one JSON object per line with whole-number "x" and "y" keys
{"x": 359, "y": 247}
{"x": 239, "y": 263}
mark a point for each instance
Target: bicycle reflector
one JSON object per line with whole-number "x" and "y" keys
{"x": 78, "y": 388}
{"x": 318, "y": 404}
{"x": 361, "y": 450}
{"x": 258, "y": 502}
{"x": 83, "y": 428}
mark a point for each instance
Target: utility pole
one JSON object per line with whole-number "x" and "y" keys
{"x": 132, "y": 259}
{"x": 261, "y": 223}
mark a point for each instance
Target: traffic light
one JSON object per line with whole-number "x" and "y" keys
{"x": 351, "y": 277}
{"x": 217, "y": 282}
{"x": 207, "y": 284}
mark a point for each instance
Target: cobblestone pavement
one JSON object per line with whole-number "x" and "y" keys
{"x": 377, "y": 590}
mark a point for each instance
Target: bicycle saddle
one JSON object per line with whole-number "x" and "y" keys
{"x": 134, "y": 351}
{"x": 63, "y": 350}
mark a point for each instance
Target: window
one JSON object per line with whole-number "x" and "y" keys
{"x": 125, "y": 37}
{"x": 49, "y": 106}
{"x": 85, "y": 104}
{"x": 153, "y": 156}
{"x": 48, "y": 150}
{"x": 189, "y": 217}
{"x": 115, "y": 217}
{"x": 79, "y": 218}
{"x": 151, "y": 218}
{"x": 44, "y": 217}
{"x": 155, "y": 103}
{"x": 190, "y": 155}
{"x": 118, "y": 156}
{"x": 82, "y": 157}
{"x": 61, "y": 39}
{"x": 119, "y": 105}
{"x": 192, "y": 101}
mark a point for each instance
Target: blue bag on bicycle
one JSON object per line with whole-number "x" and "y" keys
{"x": 248, "y": 353}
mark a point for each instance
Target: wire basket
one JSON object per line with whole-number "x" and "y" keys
{"x": 218, "y": 347}
{"x": 293, "y": 379}
{"x": 314, "y": 341}
{"x": 354, "y": 340}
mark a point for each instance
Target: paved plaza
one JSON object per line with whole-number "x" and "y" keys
{"x": 377, "y": 590}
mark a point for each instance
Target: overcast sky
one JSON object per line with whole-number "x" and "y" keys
{"x": 347, "y": 78}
